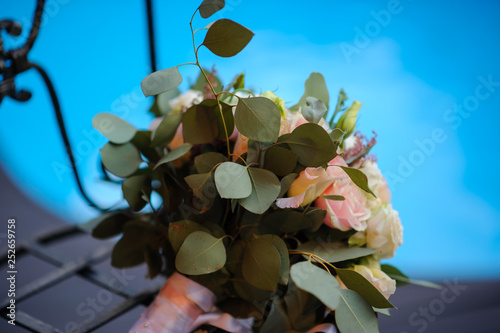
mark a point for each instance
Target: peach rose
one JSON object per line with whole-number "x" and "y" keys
{"x": 350, "y": 213}
{"x": 310, "y": 184}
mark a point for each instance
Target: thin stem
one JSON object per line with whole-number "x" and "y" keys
{"x": 209, "y": 83}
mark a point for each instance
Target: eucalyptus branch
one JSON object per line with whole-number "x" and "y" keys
{"x": 209, "y": 83}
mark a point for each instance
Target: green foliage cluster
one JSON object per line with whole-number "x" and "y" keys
{"x": 217, "y": 222}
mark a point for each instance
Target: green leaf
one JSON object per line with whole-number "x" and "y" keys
{"x": 265, "y": 190}
{"x": 133, "y": 189}
{"x": 354, "y": 314}
{"x": 330, "y": 252}
{"x": 358, "y": 178}
{"x": 235, "y": 256}
{"x": 113, "y": 128}
{"x": 402, "y": 279}
{"x": 315, "y": 86}
{"x": 287, "y": 221}
{"x": 199, "y": 124}
{"x": 313, "y": 110}
{"x": 227, "y": 113}
{"x": 248, "y": 292}
{"x": 280, "y": 245}
{"x": 333, "y": 197}
{"x": 178, "y": 231}
{"x": 111, "y": 225}
{"x": 227, "y": 38}
{"x": 233, "y": 181}
{"x": 316, "y": 218}
{"x": 280, "y": 161}
{"x": 337, "y": 135}
{"x": 161, "y": 81}
{"x": 258, "y": 118}
{"x": 166, "y": 130}
{"x": 174, "y": 154}
{"x": 316, "y": 281}
{"x": 142, "y": 141}
{"x": 261, "y": 264}
{"x": 129, "y": 250}
{"x": 121, "y": 160}
{"x": 201, "y": 253}
{"x": 277, "y": 320}
{"x": 357, "y": 282}
{"x": 206, "y": 162}
{"x": 210, "y": 7}
{"x": 312, "y": 144}
{"x": 203, "y": 187}
{"x": 286, "y": 182}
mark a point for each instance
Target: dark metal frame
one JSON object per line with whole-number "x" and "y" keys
{"x": 12, "y": 63}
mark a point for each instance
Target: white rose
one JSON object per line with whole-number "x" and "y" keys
{"x": 384, "y": 232}
{"x": 185, "y": 100}
{"x": 377, "y": 183}
{"x": 379, "y": 279}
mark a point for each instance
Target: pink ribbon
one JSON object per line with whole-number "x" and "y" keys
{"x": 182, "y": 305}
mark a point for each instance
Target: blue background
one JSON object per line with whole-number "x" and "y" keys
{"x": 411, "y": 68}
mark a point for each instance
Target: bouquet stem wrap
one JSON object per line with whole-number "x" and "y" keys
{"x": 181, "y": 306}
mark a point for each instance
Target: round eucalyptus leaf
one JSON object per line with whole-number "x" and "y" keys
{"x": 161, "y": 81}
{"x": 233, "y": 181}
{"x": 354, "y": 314}
{"x": 133, "y": 189}
{"x": 265, "y": 189}
{"x": 201, "y": 253}
{"x": 280, "y": 245}
{"x": 206, "y": 162}
{"x": 113, "y": 128}
{"x": 280, "y": 161}
{"x": 316, "y": 281}
{"x": 313, "y": 110}
{"x": 210, "y": 7}
{"x": 199, "y": 124}
{"x": 111, "y": 225}
{"x": 227, "y": 38}
{"x": 165, "y": 132}
{"x": 312, "y": 144}
{"x": 178, "y": 232}
{"x": 261, "y": 264}
{"x": 258, "y": 118}
{"x": 315, "y": 86}
{"x": 121, "y": 160}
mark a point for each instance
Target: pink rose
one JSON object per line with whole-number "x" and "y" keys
{"x": 350, "y": 213}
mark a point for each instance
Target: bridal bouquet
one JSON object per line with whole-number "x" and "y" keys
{"x": 265, "y": 218}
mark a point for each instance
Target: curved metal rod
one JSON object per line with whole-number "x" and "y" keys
{"x": 64, "y": 134}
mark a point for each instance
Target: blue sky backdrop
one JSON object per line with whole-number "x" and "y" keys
{"x": 427, "y": 72}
